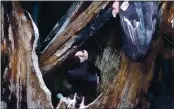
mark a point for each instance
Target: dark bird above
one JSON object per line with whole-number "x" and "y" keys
{"x": 138, "y": 22}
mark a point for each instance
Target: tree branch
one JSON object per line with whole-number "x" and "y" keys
{"x": 71, "y": 14}
{"x": 60, "y": 48}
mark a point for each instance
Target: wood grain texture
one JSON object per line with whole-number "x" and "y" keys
{"x": 24, "y": 82}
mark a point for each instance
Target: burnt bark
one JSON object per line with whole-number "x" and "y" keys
{"x": 23, "y": 85}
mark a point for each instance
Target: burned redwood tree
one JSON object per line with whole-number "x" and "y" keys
{"x": 22, "y": 76}
{"x": 23, "y": 70}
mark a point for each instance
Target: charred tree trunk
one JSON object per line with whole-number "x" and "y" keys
{"x": 23, "y": 83}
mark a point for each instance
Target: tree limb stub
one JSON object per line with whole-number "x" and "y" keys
{"x": 80, "y": 22}
{"x": 23, "y": 72}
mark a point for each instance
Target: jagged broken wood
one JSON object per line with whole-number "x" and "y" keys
{"x": 63, "y": 103}
{"x": 22, "y": 71}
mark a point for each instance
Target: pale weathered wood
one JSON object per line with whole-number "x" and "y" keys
{"x": 22, "y": 72}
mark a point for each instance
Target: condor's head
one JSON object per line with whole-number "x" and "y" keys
{"x": 82, "y": 55}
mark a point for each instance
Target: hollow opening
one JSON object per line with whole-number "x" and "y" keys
{"x": 47, "y": 15}
{"x": 56, "y": 80}
{"x": 107, "y": 36}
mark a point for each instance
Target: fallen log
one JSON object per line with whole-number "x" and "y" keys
{"x": 22, "y": 76}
